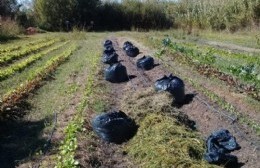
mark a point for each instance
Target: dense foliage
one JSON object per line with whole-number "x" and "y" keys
{"x": 216, "y": 14}
{"x": 94, "y": 14}
{"x": 141, "y": 15}
{"x": 7, "y": 7}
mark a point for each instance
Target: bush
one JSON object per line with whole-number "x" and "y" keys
{"x": 9, "y": 29}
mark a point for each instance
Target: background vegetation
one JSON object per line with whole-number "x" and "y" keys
{"x": 141, "y": 15}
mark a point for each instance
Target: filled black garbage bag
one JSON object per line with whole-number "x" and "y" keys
{"x": 114, "y": 127}
{"x": 219, "y": 145}
{"x": 110, "y": 59}
{"x": 172, "y": 84}
{"x": 109, "y": 50}
{"x": 176, "y": 88}
{"x": 132, "y": 51}
{"x": 126, "y": 45}
{"x": 162, "y": 84}
{"x": 108, "y": 43}
{"x": 146, "y": 63}
{"x": 116, "y": 73}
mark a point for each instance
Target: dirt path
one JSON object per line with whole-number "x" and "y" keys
{"x": 206, "y": 120}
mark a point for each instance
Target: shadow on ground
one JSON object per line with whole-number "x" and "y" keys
{"x": 187, "y": 100}
{"x": 19, "y": 140}
{"x": 4, "y": 39}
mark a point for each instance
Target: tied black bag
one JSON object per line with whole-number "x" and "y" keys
{"x": 132, "y": 51}
{"x": 172, "y": 84}
{"x": 146, "y": 63}
{"x": 176, "y": 88}
{"x": 108, "y": 43}
{"x": 219, "y": 145}
{"x": 108, "y": 50}
{"x": 162, "y": 84}
{"x": 114, "y": 127}
{"x": 116, "y": 73}
{"x": 110, "y": 59}
{"x": 126, "y": 45}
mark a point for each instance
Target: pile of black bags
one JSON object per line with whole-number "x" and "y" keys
{"x": 116, "y": 72}
{"x": 172, "y": 84}
{"x": 114, "y": 127}
{"x": 219, "y": 145}
{"x": 110, "y": 58}
{"x": 109, "y": 53}
{"x": 145, "y": 63}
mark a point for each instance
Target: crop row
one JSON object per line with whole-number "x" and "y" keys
{"x": 67, "y": 149}
{"x": 205, "y": 63}
{"x": 8, "y": 58}
{"x": 241, "y": 65}
{"x": 21, "y": 65}
{"x": 225, "y": 106}
{"x": 15, "y": 47}
{"x": 224, "y": 56}
{"x": 13, "y": 97}
{"x": 9, "y": 49}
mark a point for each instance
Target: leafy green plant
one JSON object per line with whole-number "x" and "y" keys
{"x": 34, "y": 80}
{"x": 9, "y": 57}
{"x": 247, "y": 72}
{"x": 22, "y": 65}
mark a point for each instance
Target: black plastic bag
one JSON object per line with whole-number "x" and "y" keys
{"x": 132, "y": 51}
{"x": 108, "y": 50}
{"x": 219, "y": 145}
{"x": 162, "y": 84}
{"x": 146, "y": 63}
{"x": 108, "y": 43}
{"x": 110, "y": 59}
{"x": 126, "y": 45}
{"x": 176, "y": 88}
{"x": 172, "y": 84}
{"x": 114, "y": 127}
{"x": 116, "y": 73}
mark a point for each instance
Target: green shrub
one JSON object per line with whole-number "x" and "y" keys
{"x": 9, "y": 29}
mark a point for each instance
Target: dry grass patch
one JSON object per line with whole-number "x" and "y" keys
{"x": 161, "y": 141}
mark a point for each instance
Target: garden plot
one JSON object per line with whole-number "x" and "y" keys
{"x": 76, "y": 91}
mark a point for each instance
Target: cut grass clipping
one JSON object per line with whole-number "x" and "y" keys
{"x": 161, "y": 141}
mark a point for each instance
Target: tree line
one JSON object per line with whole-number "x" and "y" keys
{"x": 101, "y": 15}
{"x": 142, "y": 15}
